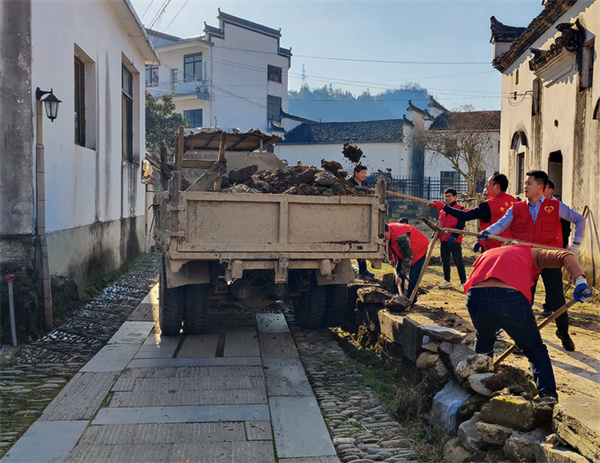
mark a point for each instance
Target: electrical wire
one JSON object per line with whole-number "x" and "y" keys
{"x": 177, "y": 14}
{"x": 151, "y": 2}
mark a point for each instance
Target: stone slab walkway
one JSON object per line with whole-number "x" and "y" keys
{"x": 148, "y": 398}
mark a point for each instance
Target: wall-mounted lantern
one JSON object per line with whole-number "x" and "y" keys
{"x": 51, "y": 103}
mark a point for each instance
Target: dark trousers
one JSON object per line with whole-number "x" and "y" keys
{"x": 493, "y": 308}
{"x": 413, "y": 276}
{"x": 555, "y": 296}
{"x": 456, "y": 251}
{"x": 362, "y": 266}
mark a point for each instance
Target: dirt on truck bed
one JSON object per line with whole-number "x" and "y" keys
{"x": 577, "y": 371}
{"x": 295, "y": 180}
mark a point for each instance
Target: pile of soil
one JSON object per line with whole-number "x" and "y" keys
{"x": 293, "y": 180}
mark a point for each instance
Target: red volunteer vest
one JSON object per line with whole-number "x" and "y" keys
{"x": 449, "y": 221}
{"x": 498, "y": 206}
{"x": 547, "y": 228}
{"x": 513, "y": 265}
{"x": 418, "y": 241}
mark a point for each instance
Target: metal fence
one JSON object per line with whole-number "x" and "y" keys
{"x": 430, "y": 188}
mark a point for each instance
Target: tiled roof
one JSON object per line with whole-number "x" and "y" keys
{"x": 423, "y": 112}
{"x": 388, "y": 130}
{"x": 544, "y": 21}
{"x": 503, "y": 33}
{"x": 433, "y": 103}
{"x": 472, "y": 120}
{"x": 248, "y": 24}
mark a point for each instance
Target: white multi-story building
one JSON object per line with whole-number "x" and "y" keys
{"x": 233, "y": 76}
{"x": 70, "y": 188}
{"x": 551, "y": 105}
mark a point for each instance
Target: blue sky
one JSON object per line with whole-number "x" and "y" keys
{"x": 442, "y": 45}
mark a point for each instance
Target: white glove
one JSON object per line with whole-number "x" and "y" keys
{"x": 573, "y": 248}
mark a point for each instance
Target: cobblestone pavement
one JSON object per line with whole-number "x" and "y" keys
{"x": 361, "y": 428}
{"x": 30, "y": 377}
{"x": 32, "y": 374}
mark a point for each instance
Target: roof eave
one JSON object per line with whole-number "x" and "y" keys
{"x": 135, "y": 29}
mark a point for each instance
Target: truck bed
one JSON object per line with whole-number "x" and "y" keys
{"x": 246, "y": 226}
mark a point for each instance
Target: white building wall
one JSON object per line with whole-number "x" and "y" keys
{"x": 240, "y": 86}
{"x": 559, "y": 127}
{"x": 88, "y": 186}
{"x": 376, "y": 156}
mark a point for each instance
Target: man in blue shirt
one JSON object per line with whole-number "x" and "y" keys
{"x": 552, "y": 278}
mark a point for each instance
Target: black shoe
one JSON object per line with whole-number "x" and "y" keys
{"x": 547, "y": 313}
{"x": 566, "y": 340}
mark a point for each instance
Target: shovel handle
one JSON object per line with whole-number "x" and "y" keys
{"x": 540, "y": 325}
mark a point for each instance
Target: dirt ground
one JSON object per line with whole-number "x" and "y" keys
{"x": 577, "y": 371}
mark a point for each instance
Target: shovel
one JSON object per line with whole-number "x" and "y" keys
{"x": 551, "y": 318}
{"x": 493, "y": 237}
{"x": 434, "y": 239}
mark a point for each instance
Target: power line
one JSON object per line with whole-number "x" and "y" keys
{"x": 147, "y": 9}
{"x": 177, "y": 14}
{"x": 331, "y": 58}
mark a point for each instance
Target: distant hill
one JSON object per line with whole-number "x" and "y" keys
{"x": 334, "y": 105}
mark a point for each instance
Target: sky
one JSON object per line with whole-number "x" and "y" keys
{"x": 442, "y": 45}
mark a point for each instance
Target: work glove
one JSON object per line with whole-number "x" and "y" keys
{"x": 477, "y": 247}
{"x": 451, "y": 240}
{"x": 484, "y": 235}
{"x": 582, "y": 290}
{"x": 573, "y": 248}
{"x": 437, "y": 205}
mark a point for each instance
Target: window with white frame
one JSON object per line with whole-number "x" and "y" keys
{"x": 192, "y": 67}
{"x": 151, "y": 75}
{"x": 79, "y": 102}
{"x": 127, "y": 113}
{"x": 274, "y": 73}
{"x": 194, "y": 117}
{"x": 273, "y": 108}
{"x": 84, "y": 99}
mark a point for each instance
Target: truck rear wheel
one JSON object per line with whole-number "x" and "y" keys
{"x": 337, "y": 305}
{"x": 311, "y": 306}
{"x": 170, "y": 305}
{"x": 196, "y": 306}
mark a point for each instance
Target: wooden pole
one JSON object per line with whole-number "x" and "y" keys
{"x": 492, "y": 237}
{"x": 551, "y": 318}
{"x": 434, "y": 239}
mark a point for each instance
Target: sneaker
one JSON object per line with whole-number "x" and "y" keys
{"x": 500, "y": 335}
{"x": 546, "y": 313}
{"x": 566, "y": 340}
{"x": 446, "y": 285}
{"x": 366, "y": 275}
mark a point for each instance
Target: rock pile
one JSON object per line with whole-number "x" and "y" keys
{"x": 294, "y": 180}
{"x": 495, "y": 414}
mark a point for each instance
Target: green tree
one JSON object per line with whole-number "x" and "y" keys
{"x": 161, "y": 122}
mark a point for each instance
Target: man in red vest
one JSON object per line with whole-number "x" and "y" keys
{"x": 537, "y": 220}
{"x": 488, "y": 211}
{"x": 450, "y": 243}
{"x": 499, "y": 295}
{"x": 407, "y": 247}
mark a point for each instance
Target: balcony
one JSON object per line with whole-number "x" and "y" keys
{"x": 180, "y": 88}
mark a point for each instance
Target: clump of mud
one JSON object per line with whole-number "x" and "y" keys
{"x": 352, "y": 152}
{"x": 294, "y": 180}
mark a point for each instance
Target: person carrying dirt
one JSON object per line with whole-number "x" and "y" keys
{"x": 360, "y": 173}
{"x": 451, "y": 243}
{"x": 407, "y": 247}
{"x": 537, "y": 220}
{"x": 499, "y": 295}
{"x": 489, "y": 211}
